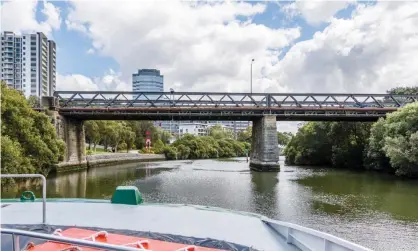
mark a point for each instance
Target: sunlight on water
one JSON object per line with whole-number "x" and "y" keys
{"x": 373, "y": 210}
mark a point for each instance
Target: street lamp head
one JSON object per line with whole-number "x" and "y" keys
{"x": 252, "y": 60}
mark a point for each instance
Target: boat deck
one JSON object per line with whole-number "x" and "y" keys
{"x": 185, "y": 220}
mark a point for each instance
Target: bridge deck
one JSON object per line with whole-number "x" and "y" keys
{"x": 225, "y": 106}
{"x": 226, "y": 113}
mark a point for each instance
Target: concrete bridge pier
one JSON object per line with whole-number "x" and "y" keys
{"x": 71, "y": 131}
{"x": 264, "y": 147}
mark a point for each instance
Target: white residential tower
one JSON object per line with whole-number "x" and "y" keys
{"x": 28, "y": 63}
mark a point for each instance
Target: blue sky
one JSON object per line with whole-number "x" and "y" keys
{"x": 72, "y": 47}
{"x": 305, "y": 46}
{"x": 72, "y": 57}
{"x": 317, "y": 46}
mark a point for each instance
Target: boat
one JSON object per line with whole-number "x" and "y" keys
{"x": 126, "y": 222}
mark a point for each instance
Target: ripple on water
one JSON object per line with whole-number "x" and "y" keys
{"x": 373, "y": 210}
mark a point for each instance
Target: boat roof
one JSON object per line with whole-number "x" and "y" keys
{"x": 185, "y": 220}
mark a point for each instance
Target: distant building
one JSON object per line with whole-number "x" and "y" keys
{"x": 28, "y": 63}
{"x": 147, "y": 80}
{"x": 151, "y": 80}
{"x": 173, "y": 126}
{"x": 197, "y": 129}
{"x": 235, "y": 126}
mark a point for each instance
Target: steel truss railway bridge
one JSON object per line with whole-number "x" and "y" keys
{"x": 70, "y": 108}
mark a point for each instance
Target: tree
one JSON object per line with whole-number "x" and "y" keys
{"x": 245, "y": 136}
{"x": 349, "y": 140}
{"x": 375, "y": 157}
{"x": 158, "y": 146}
{"x": 219, "y": 132}
{"x": 115, "y": 132}
{"x": 283, "y": 137}
{"x": 91, "y": 129}
{"x": 394, "y": 140}
{"x": 340, "y": 144}
{"x": 28, "y": 135}
{"x": 34, "y": 101}
{"x": 128, "y": 138}
{"x": 12, "y": 158}
{"x": 310, "y": 146}
{"x": 203, "y": 147}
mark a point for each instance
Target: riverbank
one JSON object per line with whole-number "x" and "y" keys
{"x": 107, "y": 159}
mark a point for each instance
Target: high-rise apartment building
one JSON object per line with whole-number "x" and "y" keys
{"x": 28, "y": 63}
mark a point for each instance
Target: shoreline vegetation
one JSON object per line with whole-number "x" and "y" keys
{"x": 30, "y": 143}
{"x": 389, "y": 145}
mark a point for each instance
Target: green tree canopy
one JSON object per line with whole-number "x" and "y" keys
{"x": 245, "y": 136}
{"x": 219, "y": 132}
{"x": 27, "y": 136}
{"x": 394, "y": 142}
{"x": 283, "y": 137}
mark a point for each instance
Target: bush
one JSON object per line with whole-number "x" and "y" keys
{"x": 393, "y": 142}
{"x": 29, "y": 139}
{"x": 195, "y": 147}
{"x": 170, "y": 152}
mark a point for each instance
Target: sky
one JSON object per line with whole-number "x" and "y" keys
{"x": 298, "y": 46}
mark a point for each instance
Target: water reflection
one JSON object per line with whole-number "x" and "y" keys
{"x": 264, "y": 186}
{"x": 344, "y": 192}
{"x": 374, "y": 210}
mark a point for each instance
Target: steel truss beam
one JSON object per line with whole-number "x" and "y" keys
{"x": 233, "y": 106}
{"x": 200, "y": 99}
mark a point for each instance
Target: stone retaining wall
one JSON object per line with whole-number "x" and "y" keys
{"x": 119, "y": 158}
{"x": 108, "y": 159}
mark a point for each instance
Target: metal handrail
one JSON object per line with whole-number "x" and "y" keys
{"x": 43, "y": 188}
{"x": 91, "y": 244}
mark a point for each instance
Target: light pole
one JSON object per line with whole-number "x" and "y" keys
{"x": 251, "y": 75}
{"x": 171, "y": 104}
{"x": 251, "y": 82}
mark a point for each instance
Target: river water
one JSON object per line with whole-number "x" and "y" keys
{"x": 374, "y": 210}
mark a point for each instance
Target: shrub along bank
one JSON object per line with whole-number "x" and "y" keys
{"x": 389, "y": 145}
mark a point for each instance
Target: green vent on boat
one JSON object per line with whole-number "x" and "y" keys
{"x": 128, "y": 195}
{"x": 27, "y": 196}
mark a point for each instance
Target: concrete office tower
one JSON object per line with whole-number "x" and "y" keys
{"x": 28, "y": 63}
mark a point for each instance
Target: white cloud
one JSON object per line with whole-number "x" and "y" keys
{"x": 206, "y": 47}
{"x": 375, "y": 50}
{"x": 315, "y": 12}
{"x": 75, "y": 82}
{"x": 19, "y": 16}
{"x": 196, "y": 46}
{"x": 90, "y": 51}
{"x": 110, "y": 81}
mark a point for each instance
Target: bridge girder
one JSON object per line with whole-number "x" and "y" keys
{"x": 227, "y": 106}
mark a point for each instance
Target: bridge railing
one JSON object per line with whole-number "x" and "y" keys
{"x": 69, "y": 99}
